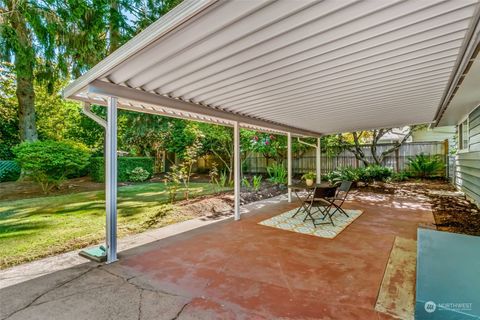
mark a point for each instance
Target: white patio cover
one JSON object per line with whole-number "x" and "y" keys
{"x": 317, "y": 66}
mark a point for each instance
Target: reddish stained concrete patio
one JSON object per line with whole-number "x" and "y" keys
{"x": 242, "y": 270}
{"x": 233, "y": 270}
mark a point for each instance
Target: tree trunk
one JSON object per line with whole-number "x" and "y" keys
{"x": 114, "y": 26}
{"x": 24, "y": 66}
{"x": 26, "y": 112}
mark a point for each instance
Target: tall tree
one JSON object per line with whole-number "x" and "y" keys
{"x": 147, "y": 11}
{"x": 22, "y": 22}
{"x": 355, "y": 142}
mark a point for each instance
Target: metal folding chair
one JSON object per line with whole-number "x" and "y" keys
{"x": 340, "y": 197}
{"x": 320, "y": 201}
{"x": 305, "y": 202}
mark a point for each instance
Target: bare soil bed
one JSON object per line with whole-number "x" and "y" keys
{"x": 221, "y": 205}
{"x": 452, "y": 212}
{"x": 28, "y": 189}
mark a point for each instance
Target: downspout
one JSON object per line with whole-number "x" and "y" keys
{"x": 87, "y": 110}
{"x": 306, "y": 143}
{"x": 317, "y": 157}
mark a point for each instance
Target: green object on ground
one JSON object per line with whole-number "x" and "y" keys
{"x": 98, "y": 254}
{"x": 9, "y": 170}
{"x": 448, "y": 276}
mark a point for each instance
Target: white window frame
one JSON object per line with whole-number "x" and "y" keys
{"x": 465, "y": 121}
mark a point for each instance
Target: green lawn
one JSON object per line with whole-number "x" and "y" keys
{"x": 35, "y": 228}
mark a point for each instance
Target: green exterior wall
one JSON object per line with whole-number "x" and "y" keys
{"x": 468, "y": 163}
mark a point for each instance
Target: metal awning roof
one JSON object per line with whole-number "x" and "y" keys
{"x": 307, "y": 67}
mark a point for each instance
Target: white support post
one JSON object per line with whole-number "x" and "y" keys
{"x": 236, "y": 168}
{"x": 111, "y": 179}
{"x": 319, "y": 164}
{"x": 289, "y": 164}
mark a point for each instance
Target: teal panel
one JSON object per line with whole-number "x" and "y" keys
{"x": 98, "y": 254}
{"x": 448, "y": 276}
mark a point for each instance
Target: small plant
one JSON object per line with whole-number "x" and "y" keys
{"x": 424, "y": 166}
{"x": 189, "y": 159}
{"x": 214, "y": 176}
{"x": 49, "y": 163}
{"x": 277, "y": 174}
{"x": 223, "y": 179}
{"x": 256, "y": 182}
{"x": 138, "y": 175}
{"x": 309, "y": 176}
{"x": 173, "y": 181}
{"x": 246, "y": 183}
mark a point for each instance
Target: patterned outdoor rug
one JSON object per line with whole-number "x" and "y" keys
{"x": 285, "y": 221}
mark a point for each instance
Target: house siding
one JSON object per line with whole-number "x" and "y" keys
{"x": 468, "y": 163}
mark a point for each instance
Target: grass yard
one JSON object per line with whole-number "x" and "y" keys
{"x": 39, "y": 227}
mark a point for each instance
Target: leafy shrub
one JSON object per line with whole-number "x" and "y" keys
{"x": 138, "y": 175}
{"x": 348, "y": 174}
{"x": 277, "y": 174}
{"x": 424, "y": 166}
{"x": 50, "y": 162}
{"x": 400, "y": 176}
{"x": 374, "y": 173}
{"x": 9, "y": 170}
{"x": 367, "y": 175}
{"x": 125, "y": 166}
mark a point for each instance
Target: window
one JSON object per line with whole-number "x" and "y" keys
{"x": 463, "y": 135}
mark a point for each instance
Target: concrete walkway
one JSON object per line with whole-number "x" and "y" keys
{"x": 232, "y": 270}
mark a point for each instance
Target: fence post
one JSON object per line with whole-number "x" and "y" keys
{"x": 397, "y": 160}
{"x": 447, "y": 160}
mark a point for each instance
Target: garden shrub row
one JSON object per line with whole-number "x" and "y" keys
{"x": 9, "y": 170}
{"x": 369, "y": 174}
{"x": 125, "y": 167}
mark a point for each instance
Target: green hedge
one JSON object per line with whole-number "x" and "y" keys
{"x": 125, "y": 165}
{"x": 9, "y": 170}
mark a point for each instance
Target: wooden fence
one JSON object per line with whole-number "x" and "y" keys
{"x": 398, "y": 160}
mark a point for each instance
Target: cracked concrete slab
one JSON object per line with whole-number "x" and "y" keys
{"x": 88, "y": 292}
{"x": 22, "y": 295}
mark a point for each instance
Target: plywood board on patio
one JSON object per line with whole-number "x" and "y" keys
{"x": 397, "y": 292}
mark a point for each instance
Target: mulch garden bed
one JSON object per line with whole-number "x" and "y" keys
{"x": 451, "y": 211}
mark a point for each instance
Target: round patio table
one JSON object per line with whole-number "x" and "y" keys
{"x": 328, "y": 189}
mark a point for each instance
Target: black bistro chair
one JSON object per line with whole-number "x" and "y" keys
{"x": 320, "y": 202}
{"x": 340, "y": 196}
